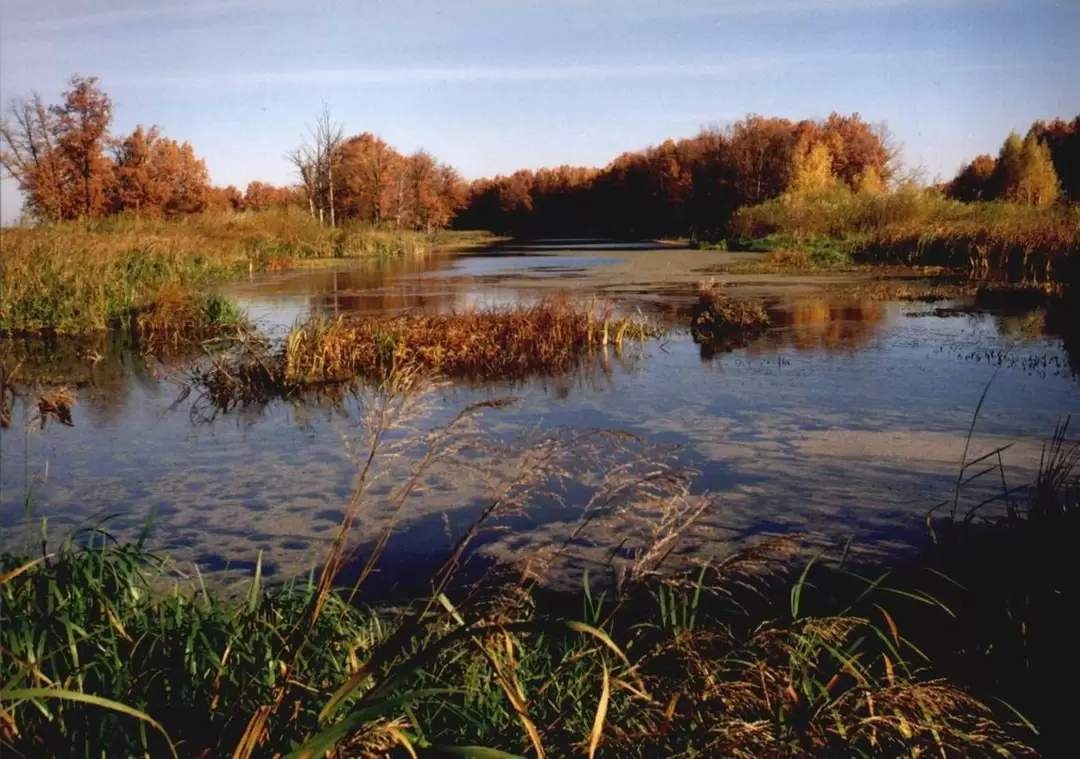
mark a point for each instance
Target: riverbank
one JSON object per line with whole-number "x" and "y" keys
{"x": 915, "y": 228}
{"x": 777, "y": 651}
{"x": 118, "y": 272}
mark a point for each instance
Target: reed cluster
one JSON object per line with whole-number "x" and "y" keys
{"x": 747, "y": 658}
{"x": 717, "y": 313}
{"x": 548, "y": 337}
{"x": 914, "y": 227}
{"x": 79, "y": 277}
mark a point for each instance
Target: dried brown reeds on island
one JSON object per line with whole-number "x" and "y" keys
{"x": 718, "y": 313}
{"x": 547, "y": 337}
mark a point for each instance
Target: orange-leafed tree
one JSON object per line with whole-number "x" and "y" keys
{"x": 154, "y": 174}
{"x": 56, "y": 153}
{"x": 260, "y": 196}
{"x": 142, "y": 180}
{"x": 191, "y": 182}
{"x": 433, "y": 192}
{"x": 370, "y": 180}
{"x": 82, "y": 127}
{"x": 857, "y": 146}
{"x": 221, "y": 199}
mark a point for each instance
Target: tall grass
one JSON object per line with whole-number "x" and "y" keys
{"x": 923, "y": 228}
{"x": 107, "y": 650}
{"x": 755, "y": 657}
{"x": 80, "y": 277}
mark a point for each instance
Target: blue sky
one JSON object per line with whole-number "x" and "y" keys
{"x": 495, "y": 85}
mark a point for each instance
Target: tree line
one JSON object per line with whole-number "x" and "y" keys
{"x": 69, "y": 165}
{"x": 1039, "y": 169}
{"x": 691, "y": 186}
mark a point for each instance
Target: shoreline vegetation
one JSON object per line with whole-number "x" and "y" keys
{"x": 915, "y": 229}
{"x": 781, "y": 650}
{"x": 125, "y": 224}
{"x": 478, "y": 344}
{"x": 126, "y": 272}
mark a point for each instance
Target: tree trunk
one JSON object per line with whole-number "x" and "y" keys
{"x": 330, "y": 181}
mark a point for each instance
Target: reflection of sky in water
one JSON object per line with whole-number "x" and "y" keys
{"x": 552, "y": 265}
{"x": 839, "y": 425}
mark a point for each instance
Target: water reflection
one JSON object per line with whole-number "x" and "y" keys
{"x": 105, "y": 371}
{"x": 845, "y": 416}
{"x": 808, "y": 323}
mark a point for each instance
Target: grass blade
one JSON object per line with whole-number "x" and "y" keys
{"x": 26, "y": 694}
{"x": 601, "y": 714}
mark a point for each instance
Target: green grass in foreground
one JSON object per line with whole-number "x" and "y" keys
{"x": 82, "y": 277}
{"x": 745, "y": 659}
{"x": 771, "y": 653}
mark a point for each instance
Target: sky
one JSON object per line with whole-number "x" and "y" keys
{"x": 491, "y": 86}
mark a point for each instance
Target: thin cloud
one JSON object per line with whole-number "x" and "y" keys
{"x": 663, "y": 9}
{"x": 480, "y": 74}
{"x": 57, "y": 21}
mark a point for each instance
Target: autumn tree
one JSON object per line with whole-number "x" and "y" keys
{"x": 812, "y": 170}
{"x": 1006, "y": 179}
{"x": 433, "y": 192}
{"x": 154, "y": 174}
{"x": 219, "y": 199}
{"x": 370, "y": 180}
{"x": 82, "y": 134}
{"x": 142, "y": 180}
{"x": 975, "y": 181}
{"x": 859, "y": 149}
{"x": 691, "y": 186}
{"x": 1037, "y": 182}
{"x": 260, "y": 196}
{"x": 1063, "y": 140}
{"x": 762, "y": 151}
{"x": 56, "y": 153}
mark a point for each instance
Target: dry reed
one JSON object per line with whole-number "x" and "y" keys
{"x": 549, "y": 337}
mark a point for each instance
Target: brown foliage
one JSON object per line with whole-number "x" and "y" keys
{"x": 261, "y": 196}
{"x": 224, "y": 199}
{"x": 685, "y": 187}
{"x": 156, "y": 175}
{"x": 57, "y": 154}
{"x": 82, "y": 132}
{"x": 377, "y": 184}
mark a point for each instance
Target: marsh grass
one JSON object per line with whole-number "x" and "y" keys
{"x": 749, "y": 658}
{"x": 922, "y": 228}
{"x": 548, "y": 338}
{"x": 774, "y": 652}
{"x": 718, "y": 315}
{"x": 79, "y": 277}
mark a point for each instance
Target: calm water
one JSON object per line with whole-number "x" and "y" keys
{"x": 848, "y": 418}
